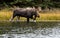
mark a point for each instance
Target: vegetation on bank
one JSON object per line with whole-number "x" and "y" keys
{"x": 6, "y": 14}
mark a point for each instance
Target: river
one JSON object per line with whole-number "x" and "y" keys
{"x": 40, "y": 30}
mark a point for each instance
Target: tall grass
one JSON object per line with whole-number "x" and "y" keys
{"x": 6, "y": 14}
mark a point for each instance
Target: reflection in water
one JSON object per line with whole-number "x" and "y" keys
{"x": 34, "y": 30}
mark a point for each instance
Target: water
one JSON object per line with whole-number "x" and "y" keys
{"x": 41, "y": 30}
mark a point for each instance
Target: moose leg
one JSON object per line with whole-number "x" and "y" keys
{"x": 27, "y": 20}
{"x": 12, "y": 18}
{"x": 34, "y": 20}
{"x": 18, "y": 17}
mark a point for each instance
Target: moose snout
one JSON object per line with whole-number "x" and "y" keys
{"x": 38, "y": 16}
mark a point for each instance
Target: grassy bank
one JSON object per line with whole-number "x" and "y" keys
{"x": 6, "y": 14}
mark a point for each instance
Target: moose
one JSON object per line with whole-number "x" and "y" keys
{"x": 29, "y": 12}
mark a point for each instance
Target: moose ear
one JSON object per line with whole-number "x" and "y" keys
{"x": 39, "y": 9}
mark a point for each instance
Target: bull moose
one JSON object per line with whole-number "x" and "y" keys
{"x": 28, "y": 12}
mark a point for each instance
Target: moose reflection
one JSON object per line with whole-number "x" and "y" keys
{"x": 29, "y": 12}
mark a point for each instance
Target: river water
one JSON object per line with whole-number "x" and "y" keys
{"x": 41, "y": 30}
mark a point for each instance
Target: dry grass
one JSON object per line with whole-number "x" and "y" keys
{"x": 51, "y": 15}
{"x": 5, "y": 15}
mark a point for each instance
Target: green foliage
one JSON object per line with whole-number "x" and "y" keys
{"x": 23, "y": 3}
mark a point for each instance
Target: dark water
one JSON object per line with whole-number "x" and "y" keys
{"x": 30, "y": 30}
